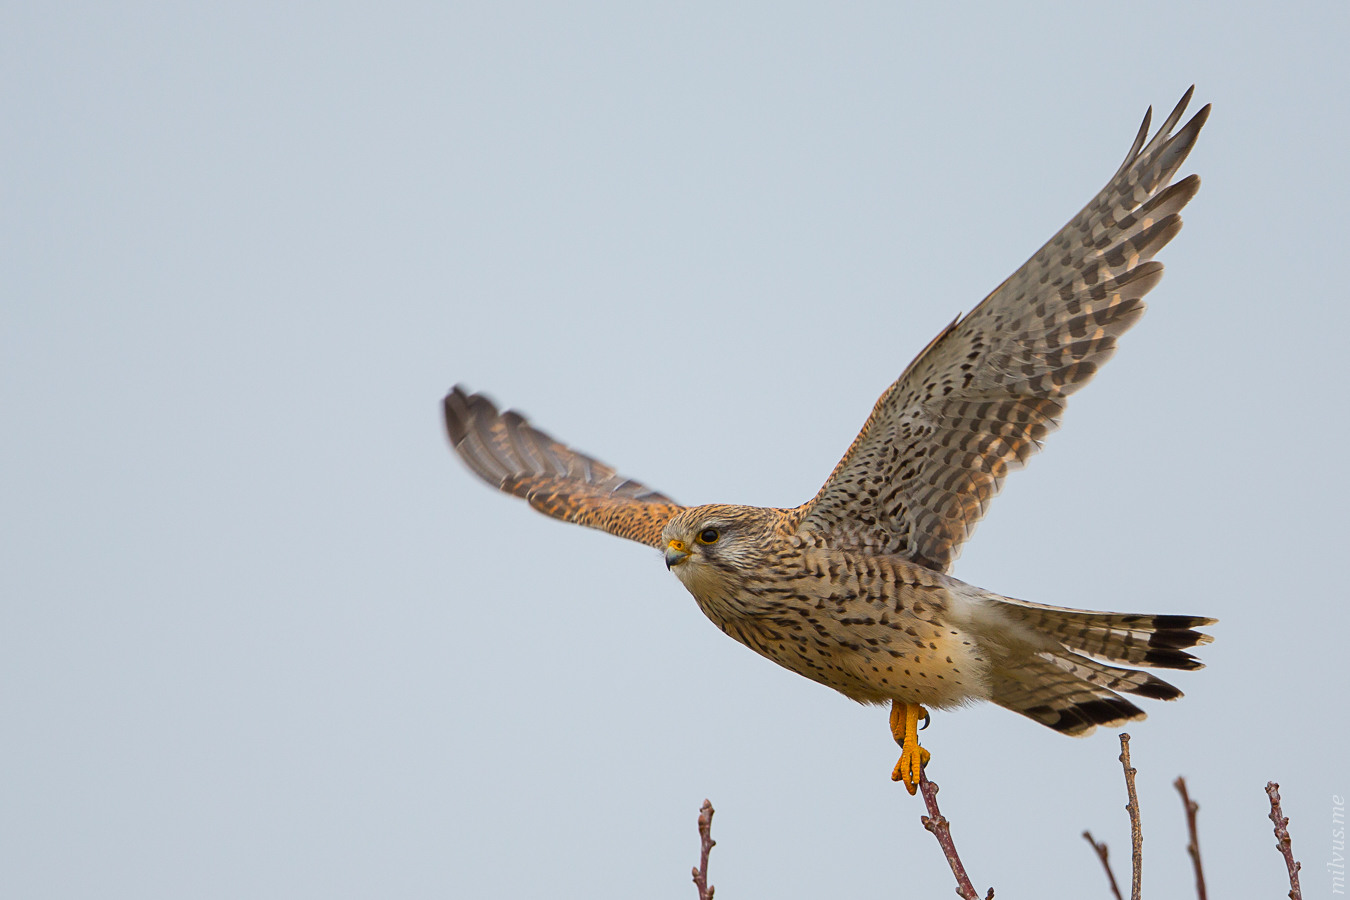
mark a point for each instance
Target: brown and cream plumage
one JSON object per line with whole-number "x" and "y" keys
{"x": 851, "y": 589}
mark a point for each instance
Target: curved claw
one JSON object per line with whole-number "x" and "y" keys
{"x": 910, "y": 767}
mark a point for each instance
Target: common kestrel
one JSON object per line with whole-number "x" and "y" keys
{"x": 851, "y": 588}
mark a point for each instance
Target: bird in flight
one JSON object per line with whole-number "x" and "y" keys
{"x": 851, "y": 589}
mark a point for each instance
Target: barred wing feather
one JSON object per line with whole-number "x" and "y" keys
{"x": 980, "y": 399}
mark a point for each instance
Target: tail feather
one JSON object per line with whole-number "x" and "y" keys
{"x": 1042, "y": 689}
{"x": 1062, "y": 676}
{"x": 1113, "y": 678}
{"x": 1155, "y": 641}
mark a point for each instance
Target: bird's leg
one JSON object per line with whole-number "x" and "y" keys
{"x": 905, "y": 729}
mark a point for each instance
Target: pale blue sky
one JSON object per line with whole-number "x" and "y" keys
{"x": 263, "y": 636}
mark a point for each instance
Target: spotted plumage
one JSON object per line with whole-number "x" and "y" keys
{"x": 852, "y": 588}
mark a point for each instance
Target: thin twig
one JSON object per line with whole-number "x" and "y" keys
{"x": 937, "y": 823}
{"x": 1102, "y": 854}
{"x": 706, "y": 843}
{"x": 1193, "y": 848}
{"x": 1282, "y": 842}
{"x": 1136, "y": 829}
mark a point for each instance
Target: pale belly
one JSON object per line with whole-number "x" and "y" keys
{"x": 872, "y": 630}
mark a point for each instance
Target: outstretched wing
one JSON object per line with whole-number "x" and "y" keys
{"x": 978, "y": 401}
{"x": 513, "y": 456}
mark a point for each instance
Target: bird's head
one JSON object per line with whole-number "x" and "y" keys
{"x": 711, "y": 548}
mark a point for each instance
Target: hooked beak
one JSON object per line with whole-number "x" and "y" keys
{"x": 676, "y": 553}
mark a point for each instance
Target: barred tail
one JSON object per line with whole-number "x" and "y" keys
{"x": 1064, "y": 688}
{"x": 1136, "y": 639}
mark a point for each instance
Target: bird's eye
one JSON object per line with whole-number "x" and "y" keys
{"x": 708, "y": 536}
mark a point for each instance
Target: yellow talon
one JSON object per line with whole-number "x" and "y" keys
{"x": 905, "y": 729}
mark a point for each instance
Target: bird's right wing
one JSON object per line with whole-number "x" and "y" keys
{"x": 513, "y": 456}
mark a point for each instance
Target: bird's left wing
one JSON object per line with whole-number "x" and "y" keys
{"x": 513, "y": 456}
{"x": 983, "y": 395}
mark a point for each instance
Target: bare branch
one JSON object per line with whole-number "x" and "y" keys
{"x": 1102, "y": 855}
{"x": 1136, "y": 829}
{"x": 1193, "y": 848}
{"x": 1282, "y": 841}
{"x": 937, "y": 823}
{"x": 706, "y": 843}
